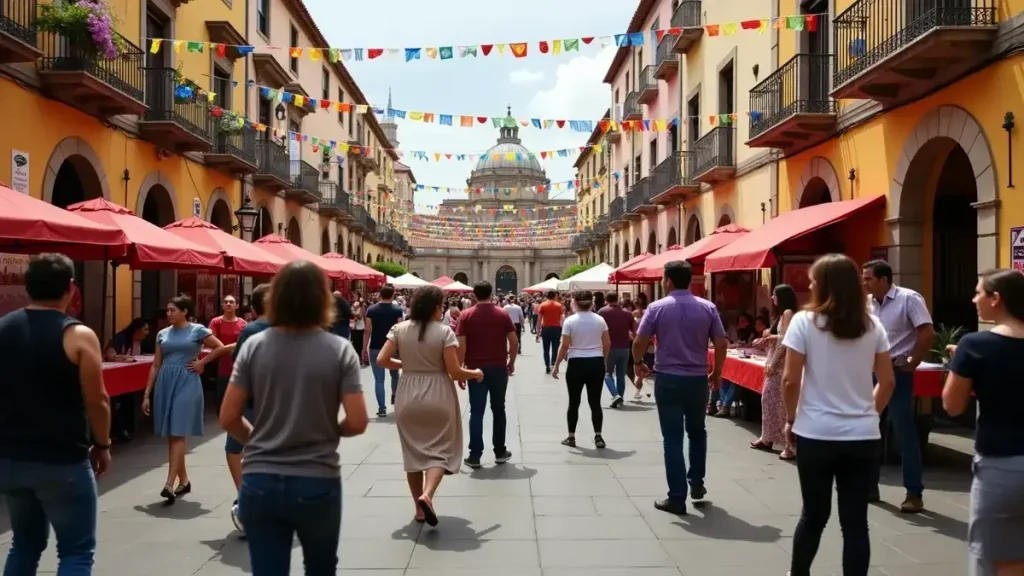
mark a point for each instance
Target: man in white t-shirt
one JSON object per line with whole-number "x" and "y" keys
{"x": 515, "y": 312}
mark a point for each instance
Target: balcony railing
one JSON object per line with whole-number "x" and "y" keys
{"x": 237, "y": 143}
{"x": 665, "y": 61}
{"x": 672, "y": 177}
{"x": 123, "y": 73}
{"x": 687, "y": 15}
{"x": 639, "y": 195}
{"x": 648, "y": 85}
{"x": 617, "y": 209}
{"x": 716, "y": 149}
{"x": 601, "y": 226}
{"x": 272, "y": 164}
{"x": 800, "y": 86}
{"x": 869, "y": 31}
{"x": 631, "y": 110}
{"x": 580, "y": 241}
{"x": 334, "y": 199}
{"x": 305, "y": 179}
{"x": 18, "y": 19}
{"x": 189, "y": 113}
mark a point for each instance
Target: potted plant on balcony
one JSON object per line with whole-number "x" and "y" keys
{"x": 86, "y": 25}
{"x": 226, "y": 126}
{"x": 185, "y": 90}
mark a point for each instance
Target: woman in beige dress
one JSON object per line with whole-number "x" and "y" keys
{"x": 427, "y": 405}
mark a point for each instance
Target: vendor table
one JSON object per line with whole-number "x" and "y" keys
{"x": 125, "y": 377}
{"x": 748, "y": 372}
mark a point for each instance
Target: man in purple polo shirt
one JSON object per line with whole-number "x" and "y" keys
{"x": 682, "y": 325}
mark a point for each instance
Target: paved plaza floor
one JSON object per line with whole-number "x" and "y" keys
{"x": 551, "y": 511}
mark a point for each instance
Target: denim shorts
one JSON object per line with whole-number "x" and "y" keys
{"x": 232, "y": 445}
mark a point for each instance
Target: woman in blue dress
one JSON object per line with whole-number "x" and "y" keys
{"x": 174, "y": 391}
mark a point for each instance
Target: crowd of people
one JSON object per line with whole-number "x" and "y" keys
{"x": 290, "y": 387}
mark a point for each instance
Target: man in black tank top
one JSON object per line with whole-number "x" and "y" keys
{"x": 51, "y": 394}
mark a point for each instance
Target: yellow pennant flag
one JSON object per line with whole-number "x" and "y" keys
{"x": 659, "y": 125}
{"x": 154, "y": 46}
{"x": 437, "y": 156}
{"x": 597, "y": 147}
{"x": 210, "y": 96}
{"x": 343, "y": 147}
{"x": 510, "y": 155}
{"x": 556, "y": 46}
{"x": 729, "y": 28}
{"x": 177, "y": 45}
{"x": 418, "y": 116}
{"x": 501, "y": 49}
{"x": 362, "y": 108}
{"x": 314, "y": 54}
{"x": 431, "y": 52}
{"x": 763, "y": 27}
{"x": 300, "y": 100}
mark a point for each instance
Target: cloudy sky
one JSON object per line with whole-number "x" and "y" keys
{"x": 567, "y": 86}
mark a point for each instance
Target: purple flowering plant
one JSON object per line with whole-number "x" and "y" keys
{"x": 87, "y": 24}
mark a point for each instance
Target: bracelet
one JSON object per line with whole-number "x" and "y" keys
{"x": 101, "y": 446}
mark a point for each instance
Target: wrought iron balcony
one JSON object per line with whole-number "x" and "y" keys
{"x": 362, "y": 222}
{"x": 638, "y": 199}
{"x": 18, "y": 31}
{"x": 665, "y": 61}
{"x": 896, "y": 50}
{"x": 648, "y": 86}
{"x": 334, "y": 201}
{"x": 714, "y": 155}
{"x": 234, "y": 148}
{"x": 632, "y": 110}
{"x": 272, "y": 170}
{"x": 672, "y": 181}
{"x": 76, "y": 74}
{"x": 792, "y": 106}
{"x": 688, "y": 17}
{"x": 176, "y": 122}
{"x": 616, "y": 212}
{"x": 580, "y": 242}
{"x": 304, "y": 185}
{"x": 601, "y": 227}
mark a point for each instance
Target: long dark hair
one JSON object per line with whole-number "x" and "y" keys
{"x": 424, "y": 303}
{"x": 786, "y": 296}
{"x": 838, "y": 296}
{"x": 300, "y": 297}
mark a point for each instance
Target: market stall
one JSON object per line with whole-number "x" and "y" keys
{"x": 409, "y": 282}
{"x": 595, "y": 278}
{"x": 442, "y": 281}
{"x": 543, "y": 287}
{"x": 456, "y": 288}
{"x": 355, "y": 272}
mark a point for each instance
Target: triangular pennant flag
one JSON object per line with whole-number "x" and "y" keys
{"x": 519, "y": 49}
{"x": 571, "y": 44}
{"x": 486, "y": 48}
{"x": 154, "y": 46}
{"x": 587, "y": 39}
{"x": 374, "y": 53}
{"x": 711, "y": 29}
{"x": 729, "y": 28}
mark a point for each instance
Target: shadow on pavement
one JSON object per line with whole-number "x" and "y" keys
{"x": 940, "y": 523}
{"x": 717, "y": 523}
{"x": 504, "y": 472}
{"x": 453, "y": 534}
{"x": 180, "y": 510}
{"x": 603, "y": 453}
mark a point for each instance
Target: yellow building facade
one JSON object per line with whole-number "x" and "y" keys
{"x": 592, "y": 195}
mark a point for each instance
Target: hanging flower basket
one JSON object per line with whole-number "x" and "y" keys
{"x": 86, "y": 24}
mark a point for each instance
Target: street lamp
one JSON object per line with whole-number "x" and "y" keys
{"x": 246, "y": 217}
{"x": 279, "y": 111}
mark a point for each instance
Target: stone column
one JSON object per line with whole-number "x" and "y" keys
{"x": 487, "y": 272}
{"x": 988, "y": 241}
{"x": 906, "y": 255}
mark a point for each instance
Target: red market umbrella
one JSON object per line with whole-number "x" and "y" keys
{"x": 355, "y": 271}
{"x": 282, "y": 248}
{"x": 652, "y": 269}
{"x": 442, "y": 281}
{"x": 31, "y": 226}
{"x": 242, "y": 257}
{"x": 616, "y": 277}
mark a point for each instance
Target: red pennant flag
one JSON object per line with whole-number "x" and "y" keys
{"x": 543, "y": 155}
{"x": 217, "y": 111}
{"x": 660, "y": 34}
{"x": 544, "y": 47}
{"x": 750, "y": 24}
{"x": 811, "y": 23}
{"x": 675, "y": 31}
{"x": 605, "y": 125}
{"x": 374, "y": 52}
{"x": 316, "y": 148}
{"x": 587, "y": 39}
{"x": 487, "y": 49}
{"x": 560, "y": 123}
{"x": 326, "y": 104}
{"x": 582, "y": 148}
{"x": 448, "y": 156}
{"x": 481, "y": 119}
{"x": 222, "y": 50}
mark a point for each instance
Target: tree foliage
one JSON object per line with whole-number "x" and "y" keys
{"x": 576, "y": 269}
{"x": 392, "y": 269}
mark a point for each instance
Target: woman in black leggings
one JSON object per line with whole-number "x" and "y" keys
{"x": 585, "y": 343}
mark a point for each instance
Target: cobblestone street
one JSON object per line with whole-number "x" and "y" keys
{"x": 551, "y": 511}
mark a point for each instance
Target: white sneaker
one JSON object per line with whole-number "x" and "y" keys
{"x": 639, "y": 394}
{"x": 236, "y": 520}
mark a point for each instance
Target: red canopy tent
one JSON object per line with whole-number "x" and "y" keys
{"x": 757, "y": 249}
{"x": 613, "y": 278}
{"x": 457, "y": 288}
{"x": 31, "y": 226}
{"x": 356, "y": 271}
{"x": 651, "y": 269}
{"x": 283, "y": 248}
{"x": 241, "y": 256}
{"x": 442, "y": 281}
{"x": 151, "y": 247}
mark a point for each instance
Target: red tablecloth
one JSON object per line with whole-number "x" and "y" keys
{"x": 124, "y": 377}
{"x": 749, "y": 373}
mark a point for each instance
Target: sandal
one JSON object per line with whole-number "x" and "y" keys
{"x": 428, "y": 511}
{"x": 570, "y": 442}
{"x": 761, "y": 445}
{"x": 787, "y": 457}
{"x": 599, "y": 441}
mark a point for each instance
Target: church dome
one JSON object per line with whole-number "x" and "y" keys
{"x": 509, "y": 155}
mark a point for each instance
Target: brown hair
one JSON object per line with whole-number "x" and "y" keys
{"x": 838, "y": 296}
{"x": 300, "y": 297}
{"x": 1010, "y": 286}
{"x": 584, "y": 299}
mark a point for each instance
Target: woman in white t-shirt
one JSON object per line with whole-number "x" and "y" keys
{"x": 585, "y": 343}
{"x": 833, "y": 348}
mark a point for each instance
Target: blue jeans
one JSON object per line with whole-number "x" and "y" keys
{"x": 904, "y": 424}
{"x": 728, "y": 392}
{"x": 550, "y": 338}
{"x": 39, "y": 495}
{"x": 495, "y": 383}
{"x": 681, "y": 401}
{"x": 274, "y": 508}
{"x": 378, "y": 380}
{"x": 615, "y": 377}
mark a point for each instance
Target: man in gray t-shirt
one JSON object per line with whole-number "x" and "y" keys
{"x": 296, "y": 380}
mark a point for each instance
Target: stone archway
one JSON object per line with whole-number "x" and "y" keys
{"x": 264, "y": 224}
{"x": 918, "y": 171}
{"x": 220, "y": 215}
{"x": 726, "y": 216}
{"x": 652, "y": 243}
{"x": 325, "y": 242}
{"x": 369, "y": 259}
{"x": 78, "y": 154}
{"x": 219, "y": 196}
{"x": 819, "y": 183}
{"x": 551, "y": 275}
{"x": 693, "y": 229}
{"x": 155, "y": 180}
{"x": 615, "y": 255}
{"x": 153, "y": 288}
{"x": 461, "y": 277}
{"x": 636, "y": 247}
{"x": 506, "y": 280}
{"x": 294, "y": 232}
{"x": 672, "y": 239}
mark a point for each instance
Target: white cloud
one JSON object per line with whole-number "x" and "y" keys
{"x": 524, "y": 76}
{"x": 579, "y": 90}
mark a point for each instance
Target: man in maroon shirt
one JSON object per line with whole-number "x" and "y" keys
{"x": 487, "y": 340}
{"x": 621, "y": 327}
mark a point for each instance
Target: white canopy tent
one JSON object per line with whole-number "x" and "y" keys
{"x": 408, "y": 281}
{"x": 549, "y": 284}
{"x": 389, "y": 280}
{"x": 595, "y": 278}
{"x": 456, "y": 287}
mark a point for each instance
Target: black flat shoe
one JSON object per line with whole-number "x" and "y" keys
{"x": 671, "y": 506}
{"x": 570, "y": 442}
{"x": 168, "y": 495}
{"x": 599, "y": 442}
{"x": 182, "y": 490}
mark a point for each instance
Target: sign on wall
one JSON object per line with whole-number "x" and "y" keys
{"x": 197, "y": 208}
{"x": 1017, "y": 248}
{"x": 19, "y": 171}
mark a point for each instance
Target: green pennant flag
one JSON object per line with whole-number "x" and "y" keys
{"x": 195, "y": 47}
{"x": 571, "y": 45}
{"x": 795, "y": 22}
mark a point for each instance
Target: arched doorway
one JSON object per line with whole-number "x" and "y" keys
{"x": 672, "y": 240}
{"x": 264, "y": 224}
{"x": 816, "y": 192}
{"x": 359, "y": 253}
{"x": 652, "y": 243}
{"x": 156, "y": 287}
{"x": 636, "y": 247}
{"x": 949, "y": 184}
{"x": 461, "y": 277}
{"x": 625, "y": 251}
{"x": 693, "y": 231}
{"x": 220, "y": 215}
{"x": 551, "y": 275}
{"x": 77, "y": 181}
{"x": 369, "y": 259}
{"x": 294, "y": 232}
{"x": 325, "y": 243}
{"x": 417, "y": 274}
{"x": 506, "y": 281}
{"x": 724, "y": 220}
{"x": 615, "y": 255}
{"x": 380, "y": 258}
